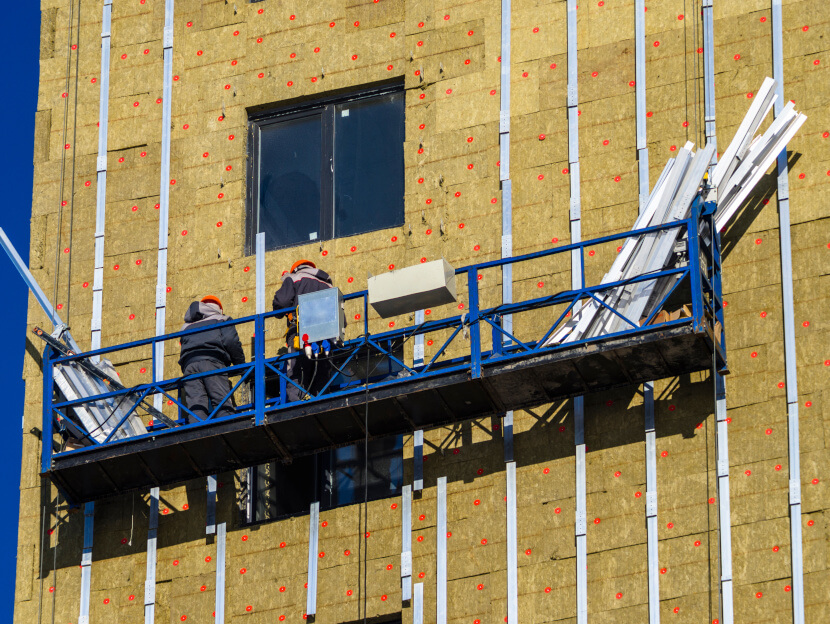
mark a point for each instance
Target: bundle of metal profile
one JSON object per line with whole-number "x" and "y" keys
{"x": 97, "y": 419}
{"x": 682, "y": 182}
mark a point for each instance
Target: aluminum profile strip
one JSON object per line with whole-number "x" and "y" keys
{"x": 724, "y": 510}
{"x": 418, "y": 461}
{"x": 313, "y": 535}
{"x": 219, "y": 608}
{"x": 418, "y": 346}
{"x": 512, "y": 548}
{"x": 791, "y": 377}
{"x": 575, "y": 214}
{"x": 406, "y": 543}
{"x": 722, "y": 441}
{"x": 709, "y": 74}
{"x": 581, "y": 524}
{"x": 86, "y": 563}
{"x": 507, "y": 251}
{"x": 441, "y": 554}
{"x": 101, "y": 180}
{"x": 652, "y": 546}
{"x": 418, "y": 604}
{"x": 210, "y": 507}
{"x": 164, "y": 199}
{"x": 152, "y": 544}
{"x": 260, "y": 273}
{"x": 640, "y": 71}
{"x": 507, "y": 428}
{"x": 651, "y": 507}
{"x": 504, "y": 162}
{"x": 504, "y": 100}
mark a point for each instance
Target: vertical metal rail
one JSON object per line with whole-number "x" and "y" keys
{"x": 441, "y": 554}
{"x": 219, "y": 612}
{"x": 724, "y": 512}
{"x": 164, "y": 197}
{"x": 161, "y": 298}
{"x": 512, "y": 522}
{"x": 580, "y": 528}
{"x": 648, "y": 387}
{"x": 418, "y": 604}
{"x": 97, "y": 277}
{"x": 406, "y": 543}
{"x": 581, "y": 525}
{"x": 418, "y": 461}
{"x": 259, "y": 349}
{"x": 709, "y": 75}
{"x": 507, "y": 297}
{"x": 210, "y": 508}
{"x": 640, "y": 85}
{"x": 101, "y": 197}
{"x": 86, "y": 563}
{"x": 418, "y": 346}
{"x": 651, "y": 507}
{"x": 313, "y": 533}
{"x": 721, "y": 431}
{"x": 260, "y": 273}
{"x": 417, "y": 474}
{"x": 152, "y": 543}
{"x": 504, "y": 164}
{"x": 512, "y": 547}
{"x": 794, "y": 451}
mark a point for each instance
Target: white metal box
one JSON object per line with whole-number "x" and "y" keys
{"x": 320, "y": 315}
{"x": 412, "y": 288}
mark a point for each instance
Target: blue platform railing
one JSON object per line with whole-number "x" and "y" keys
{"x": 701, "y": 273}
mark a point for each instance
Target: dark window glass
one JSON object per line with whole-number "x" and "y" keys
{"x": 334, "y": 478}
{"x": 368, "y": 165}
{"x": 328, "y": 169}
{"x": 343, "y": 472}
{"x": 289, "y": 186}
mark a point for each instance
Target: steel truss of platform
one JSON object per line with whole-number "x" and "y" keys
{"x": 484, "y": 376}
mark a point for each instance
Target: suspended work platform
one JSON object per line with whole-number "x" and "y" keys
{"x": 481, "y": 367}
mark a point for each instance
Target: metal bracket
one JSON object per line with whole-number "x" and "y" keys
{"x": 651, "y": 504}
{"x": 168, "y": 38}
{"x": 581, "y": 523}
{"x": 507, "y": 246}
{"x": 504, "y": 122}
{"x": 795, "y": 492}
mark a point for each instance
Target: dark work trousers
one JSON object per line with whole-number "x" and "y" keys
{"x": 312, "y": 375}
{"x": 201, "y": 396}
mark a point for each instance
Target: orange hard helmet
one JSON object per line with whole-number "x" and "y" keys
{"x": 213, "y": 299}
{"x": 300, "y": 263}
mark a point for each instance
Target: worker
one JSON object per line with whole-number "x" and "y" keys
{"x": 206, "y": 351}
{"x": 304, "y": 277}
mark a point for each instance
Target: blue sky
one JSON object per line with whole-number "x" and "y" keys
{"x": 20, "y": 46}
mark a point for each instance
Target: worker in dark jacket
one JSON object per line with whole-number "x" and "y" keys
{"x": 207, "y": 351}
{"x": 304, "y": 277}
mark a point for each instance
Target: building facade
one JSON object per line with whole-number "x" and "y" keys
{"x": 375, "y": 135}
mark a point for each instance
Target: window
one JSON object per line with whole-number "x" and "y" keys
{"x": 334, "y": 478}
{"x": 327, "y": 170}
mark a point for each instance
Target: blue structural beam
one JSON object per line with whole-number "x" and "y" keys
{"x": 465, "y": 378}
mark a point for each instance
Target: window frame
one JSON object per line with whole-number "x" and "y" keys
{"x": 325, "y": 108}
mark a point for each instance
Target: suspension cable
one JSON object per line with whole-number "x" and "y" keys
{"x": 63, "y": 154}
{"x": 72, "y": 187}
